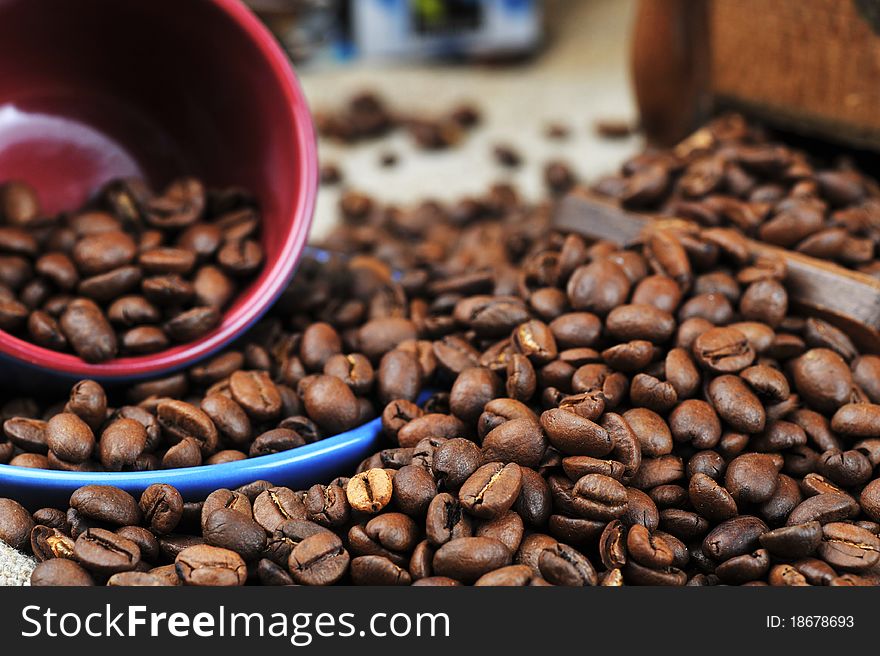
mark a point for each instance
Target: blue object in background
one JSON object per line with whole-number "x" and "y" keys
{"x": 446, "y": 28}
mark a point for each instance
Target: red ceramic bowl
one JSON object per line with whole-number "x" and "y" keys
{"x": 96, "y": 89}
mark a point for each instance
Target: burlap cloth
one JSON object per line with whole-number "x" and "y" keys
{"x": 15, "y": 567}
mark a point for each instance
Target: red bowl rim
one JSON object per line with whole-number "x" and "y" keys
{"x": 259, "y": 299}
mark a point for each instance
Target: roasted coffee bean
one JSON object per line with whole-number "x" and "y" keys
{"x": 370, "y": 491}
{"x": 230, "y": 420}
{"x": 274, "y": 506}
{"x": 823, "y": 379}
{"x": 658, "y": 471}
{"x": 327, "y": 505}
{"x": 192, "y": 324}
{"x": 232, "y": 530}
{"x": 466, "y": 559}
{"x": 599, "y": 497}
{"x": 49, "y": 543}
{"x": 414, "y": 488}
{"x": 823, "y": 508}
{"x": 28, "y": 434}
{"x": 752, "y": 478}
{"x": 491, "y": 490}
{"x": 319, "y": 560}
{"x": 446, "y": 520}
{"x": 507, "y": 529}
{"x": 710, "y": 499}
{"x": 734, "y": 537}
{"x": 329, "y": 402}
{"x": 849, "y": 547}
{"x": 399, "y": 376}
{"x": 121, "y": 443}
{"x": 575, "y": 435}
{"x": 563, "y": 565}
{"x": 870, "y": 500}
{"x": 598, "y": 287}
{"x": 60, "y": 572}
{"x": 454, "y": 461}
{"x": 162, "y": 507}
{"x": 736, "y": 404}
{"x": 696, "y": 422}
{"x": 431, "y": 425}
{"x": 88, "y": 331}
{"x": 255, "y": 392}
{"x": 648, "y": 550}
{"x": 186, "y": 453}
{"x": 847, "y": 468}
{"x": 793, "y": 541}
{"x": 377, "y": 570}
{"x": 16, "y": 524}
{"x": 106, "y": 553}
{"x": 69, "y": 437}
{"x": 518, "y": 440}
{"x": 106, "y": 504}
{"x": 180, "y": 420}
{"x": 723, "y": 350}
{"x": 652, "y": 432}
{"x": 205, "y": 565}
{"x": 857, "y": 420}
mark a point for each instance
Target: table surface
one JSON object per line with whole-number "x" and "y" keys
{"x": 581, "y": 76}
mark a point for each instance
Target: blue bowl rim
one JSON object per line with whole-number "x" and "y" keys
{"x": 258, "y": 467}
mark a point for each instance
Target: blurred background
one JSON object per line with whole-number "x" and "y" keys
{"x": 540, "y": 74}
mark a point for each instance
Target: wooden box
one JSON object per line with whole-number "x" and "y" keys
{"x": 812, "y": 66}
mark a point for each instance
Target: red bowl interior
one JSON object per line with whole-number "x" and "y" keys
{"x": 96, "y": 89}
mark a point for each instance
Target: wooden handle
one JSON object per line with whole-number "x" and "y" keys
{"x": 670, "y": 67}
{"x": 848, "y": 299}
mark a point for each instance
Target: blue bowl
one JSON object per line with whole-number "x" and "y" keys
{"x": 297, "y": 468}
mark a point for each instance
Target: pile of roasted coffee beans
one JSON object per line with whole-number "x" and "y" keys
{"x": 650, "y": 416}
{"x": 730, "y": 173}
{"x": 367, "y": 116}
{"x": 131, "y": 273}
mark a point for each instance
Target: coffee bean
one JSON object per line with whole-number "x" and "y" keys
{"x": 180, "y": 420}
{"x": 370, "y": 491}
{"x": 330, "y": 403}
{"x": 60, "y": 572}
{"x": 563, "y": 565}
{"x": 106, "y": 553}
{"x": 15, "y": 524}
{"x": 575, "y": 435}
{"x": 823, "y": 508}
{"x": 69, "y": 437}
{"x": 491, "y": 490}
{"x": 234, "y": 531}
{"x": 823, "y": 379}
{"x": 598, "y": 287}
{"x": 734, "y": 537}
{"x": 849, "y": 547}
{"x": 319, "y": 560}
{"x": 736, "y": 404}
{"x": 870, "y": 500}
{"x": 599, "y": 497}
{"x": 88, "y": 331}
{"x": 204, "y": 565}
{"x": 793, "y": 541}
{"x": 162, "y": 507}
{"x": 723, "y": 350}
{"x": 857, "y": 420}
{"x": 106, "y": 504}
{"x": 466, "y": 559}
{"x": 751, "y": 478}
